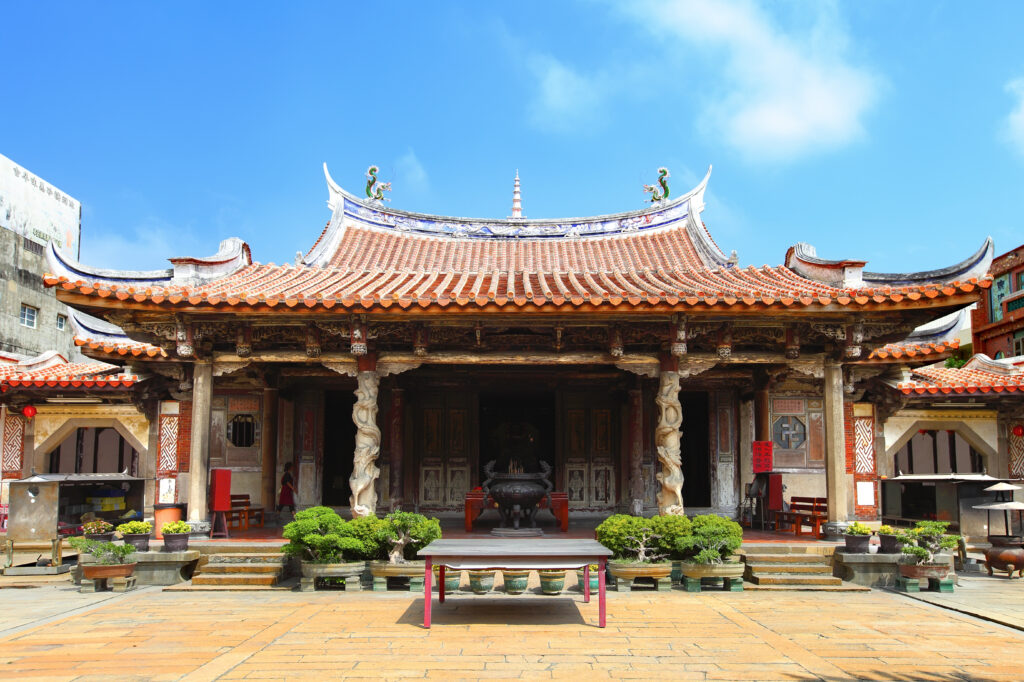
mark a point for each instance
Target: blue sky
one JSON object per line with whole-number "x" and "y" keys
{"x": 889, "y": 131}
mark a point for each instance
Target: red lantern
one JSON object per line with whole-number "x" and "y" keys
{"x": 1018, "y": 430}
{"x": 29, "y": 411}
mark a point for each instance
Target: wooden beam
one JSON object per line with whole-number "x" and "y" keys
{"x": 519, "y": 358}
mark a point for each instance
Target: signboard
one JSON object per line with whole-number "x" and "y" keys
{"x": 36, "y": 209}
{"x": 762, "y": 456}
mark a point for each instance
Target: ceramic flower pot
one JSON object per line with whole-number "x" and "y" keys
{"x": 452, "y": 579}
{"x": 481, "y": 582}
{"x": 175, "y": 542}
{"x": 515, "y": 581}
{"x": 140, "y": 541}
{"x": 552, "y": 582}
{"x": 98, "y": 571}
{"x": 857, "y": 544}
{"x": 889, "y": 544}
{"x": 100, "y": 537}
{"x": 936, "y": 571}
{"x": 351, "y": 571}
{"x": 593, "y": 579}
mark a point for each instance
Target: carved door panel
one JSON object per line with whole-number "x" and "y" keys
{"x": 442, "y": 437}
{"x": 589, "y": 439}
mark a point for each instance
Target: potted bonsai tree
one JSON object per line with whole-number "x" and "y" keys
{"x": 635, "y": 551}
{"x": 889, "y": 540}
{"x": 709, "y": 550}
{"x": 176, "y": 536}
{"x": 921, "y": 544}
{"x": 109, "y": 560}
{"x": 673, "y": 531}
{"x": 858, "y": 538}
{"x": 403, "y": 534}
{"x": 326, "y": 547}
{"x": 99, "y": 530}
{"x": 136, "y": 534}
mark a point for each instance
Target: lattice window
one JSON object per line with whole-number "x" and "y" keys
{"x": 1016, "y": 447}
{"x": 14, "y": 436}
{"x": 168, "y": 443}
{"x": 864, "y": 447}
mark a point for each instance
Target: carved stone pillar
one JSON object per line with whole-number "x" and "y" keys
{"x": 364, "y": 468}
{"x": 397, "y": 437}
{"x": 636, "y": 452}
{"x": 667, "y": 439}
{"x": 268, "y": 449}
{"x": 199, "y": 456}
{"x": 835, "y": 445}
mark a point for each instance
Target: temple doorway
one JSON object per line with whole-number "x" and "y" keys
{"x": 339, "y": 446}
{"x": 94, "y": 450}
{"x": 517, "y": 429}
{"x": 696, "y": 450}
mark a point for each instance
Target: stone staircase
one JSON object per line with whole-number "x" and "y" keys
{"x": 240, "y": 569}
{"x": 788, "y": 567}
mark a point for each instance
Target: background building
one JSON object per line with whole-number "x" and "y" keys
{"x": 33, "y": 214}
{"x": 998, "y": 322}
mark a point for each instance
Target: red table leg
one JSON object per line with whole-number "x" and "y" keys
{"x": 440, "y": 584}
{"x": 586, "y": 584}
{"x": 428, "y": 571}
{"x": 600, "y": 591}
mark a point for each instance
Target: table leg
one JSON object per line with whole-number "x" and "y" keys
{"x": 586, "y": 584}
{"x": 427, "y": 571}
{"x": 440, "y": 583}
{"x": 600, "y": 591}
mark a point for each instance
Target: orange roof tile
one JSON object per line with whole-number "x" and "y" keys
{"x": 121, "y": 347}
{"x": 938, "y": 379}
{"x": 65, "y": 375}
{"x": 895, "y": 351}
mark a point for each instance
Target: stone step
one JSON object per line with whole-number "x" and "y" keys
{"x": 760, "y": 569}
{"x": 248, "y": 558}
{"x": 795, "y": 579}
{"x": 786, "y": 559}
{"x": 227, "y": 579}
{"x": 240, "y": 567}
{"x": 778, "y": 548}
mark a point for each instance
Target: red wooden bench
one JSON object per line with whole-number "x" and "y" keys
{"x": 804, "y": 511}
{"x": 243, "y": 513}
{"x": 475, "y": 505}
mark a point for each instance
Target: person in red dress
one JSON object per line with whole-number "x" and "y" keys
{"x": 287, "y": 495}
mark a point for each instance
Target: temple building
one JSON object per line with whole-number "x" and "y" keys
{"x": 404, "y": 351}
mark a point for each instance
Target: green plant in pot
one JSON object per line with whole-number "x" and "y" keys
{"x": 400, "y": 537}
{"x": 919, "y": 547}
{"x": 136, "y": 534}
{"x": 710, "y": 553}
{"x": 98, "y": 530}
{"x": 673, "y": 531}
{"x": 108, "y": 559}
{"x": 176, "y": 536}
{"x": 326, "y": 547}
{"x": 594, "y": 568}
{"x": 889, "y": 540}
{"x": 858, "y": 538}
{"x": 635, "y": 551}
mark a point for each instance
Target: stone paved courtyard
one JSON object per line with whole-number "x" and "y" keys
{"x": 53, "y": 632}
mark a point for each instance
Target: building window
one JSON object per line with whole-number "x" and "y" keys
{"x": 32, "y": 247}
{"x": 28, "y": 316}
{"x": 789, "y": 432}
{"x": 1018, "y": 343}
{"x": 242, "y": 430}
{"x": 62, "y": 322}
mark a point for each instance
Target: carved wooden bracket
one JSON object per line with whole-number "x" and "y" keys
{"x": 814, "y": 368}
{"x": 312, "y": 341}
{"x": 691, "y": 368}
{"x": 358, "y": 338}
{"x": 420, "y": 340}
{"x": 615, "y": 347}
{"x": 222, "y": 368}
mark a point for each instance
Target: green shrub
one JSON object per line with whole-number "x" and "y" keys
{"x": 319, "y": 535}
{"x": 409, "y": 533}
{"x": 857, "y": 528}
{"x": 926, "y": 539}
{"x": 135, "y": 528}
{"x": 708, "y": 555}
{"x": 97, "y": 527}
{"x": 373, "y": 533}
{"x": 672, "y": 530}
{"x": 886, "y": 530}
{"x": 175, "y": 527}
{"x": 107, "y": 553}
{"x": 618, "y": 531}
{"x": 712, "y": 532}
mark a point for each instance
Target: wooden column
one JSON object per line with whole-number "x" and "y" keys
{"x": 835, "y": 444}
{"x": 762, "y": 407}
{"x": 397, "y": 438}
{"x": 636, "y": 452}
{"x": 268, "y": 449}
{"x": 199, "y": 456}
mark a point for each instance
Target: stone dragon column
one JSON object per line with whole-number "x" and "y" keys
{"x": 364, "y": 469}
{"x": 667, "y": 440}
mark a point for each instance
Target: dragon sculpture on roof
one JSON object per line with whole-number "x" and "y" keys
{"x": 374, "y": 188}
{"x": 663, "y": 195}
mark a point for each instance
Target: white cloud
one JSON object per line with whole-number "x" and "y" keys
{"x": 783, "y": 95}
{"x": 566, "y": 100}
{"x": 410, "y": 174}
{"x": 147, "y": 248}
{"x": 1014, "y": 124}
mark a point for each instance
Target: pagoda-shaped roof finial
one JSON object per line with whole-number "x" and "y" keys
{"x": 517, "y": 200}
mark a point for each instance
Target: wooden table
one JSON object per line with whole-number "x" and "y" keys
{"x": 497, "y": 554}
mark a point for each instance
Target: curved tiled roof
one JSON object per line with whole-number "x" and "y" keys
{"x": 979, "y": 375}
{"x": 900, "y": 350}
{"x": 99, "y": 335}
{"x": 65, "y": 375}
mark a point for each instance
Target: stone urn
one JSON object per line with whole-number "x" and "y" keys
{"x": 382, "y": 570}
{"x": 625, "y": 572}
{"x": 352, "y": 572}
{"x": 102, "y": 571}
{"x": 1007, "y": 559}
{"x": 517, "y": 494}
{"x": 922, "y": 571}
